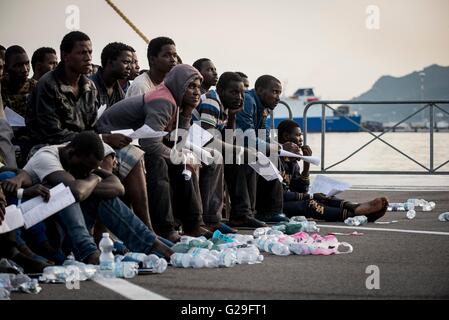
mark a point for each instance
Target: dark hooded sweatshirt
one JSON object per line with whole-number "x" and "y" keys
{"x": 158, "y": 109}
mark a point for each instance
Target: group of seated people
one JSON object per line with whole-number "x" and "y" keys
{"x": 140, "y": 193}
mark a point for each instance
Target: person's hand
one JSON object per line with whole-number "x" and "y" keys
{"x": 11, "y": 185}
{"x": 306, "y": 151}
{"x": 117, "y": 140}
{"x": 233, "y": 112}
{"x": 291, "y": 147}
{"x": 37, "y": 190}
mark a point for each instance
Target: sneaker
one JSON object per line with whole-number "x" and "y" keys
{"x": 273, "y": 218}
{"x": 246, "y": 222}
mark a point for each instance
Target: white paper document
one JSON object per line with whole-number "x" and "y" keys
{"x": 310, "y": 159}
{"x": 198, "y": 136}
{"x": 14, "y": 119}
{"x": 143, "y": 132}
{"x": 330, "y": 187}
{"x": 13, "y": 219}
{"x": 146, "y": 132}
{"x": 101, "y": 110}
{"x": 36, "y": 210}
{"x": 264, "y": 167}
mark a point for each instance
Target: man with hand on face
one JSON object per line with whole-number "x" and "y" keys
{"x": 162, "y": 57}
{"x": 166, "y": 108}
{"x": 258, "y": 103}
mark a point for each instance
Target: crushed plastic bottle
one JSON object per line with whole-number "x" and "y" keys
{"x": 126, "y": 270}
{"x": 298, "y": 219}
{"x": 356, "y": 221}
{"x": 248, "y": 255}
{"x": 261, "y": 232}
{"x": 396, "y": 206}
{"x": 411, "y": 214}
{"x": 444, "y": 217}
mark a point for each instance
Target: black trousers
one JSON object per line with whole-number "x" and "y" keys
{"x": 170, "y": 196}
{"x": 322, "y": 208}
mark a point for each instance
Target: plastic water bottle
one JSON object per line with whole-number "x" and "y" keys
{"x": 242, "y": 238}
{"x": 126, "y": 270}
{"x": 261, "y": 232}
{"x": 356, "y": 221}
{"x": 249, "y": 255}
{"x": 298, "y": 219}
{"x": 156, "y": 264}
{"x": 107, "y": 264}
{"x": 180, "y": 260}
{"x": 411, "y": 214}
{"x": 227, "y": 258}
{"x": 396, "y": 206}
{"x": 444, "y": 217}
{"x": 309, "y": 226}
{"x": 299, "y": 248}
{"x": 278, "y": 249}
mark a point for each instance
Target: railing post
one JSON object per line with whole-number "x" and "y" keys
{"x": 431, "y": 119}
{"x": 323, "y": 133}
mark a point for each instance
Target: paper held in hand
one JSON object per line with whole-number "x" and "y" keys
{"x": 310, "y": 159}
{"x": 330, "y": 187}
{"x": 143, "y": 132}
{"x": 14, "y": 119}
{"x": 265, "y": 168}
{"x": 36, "y": 209}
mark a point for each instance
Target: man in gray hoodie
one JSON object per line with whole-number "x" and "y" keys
{"x": 166, "y": 108}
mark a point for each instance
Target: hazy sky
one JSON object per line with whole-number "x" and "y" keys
{"x": 323, "y": 44}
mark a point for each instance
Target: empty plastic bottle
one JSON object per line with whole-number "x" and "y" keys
{"x": 242, "y": 238}
{"x": 444, "y": 216}
{"x": 227, "y": 258}
{"x": 278, "y": 249}
{"x": 356, "y": 221}
{"x": 126, "y": 270}
{"x": 396, "y": 206}
{"x": 309, "y": 226}
{"x": 261, "y": 232}
{"x": 180, "y": 260}
{"x": 107, "y": 264}
{"x": 156, "y": 264}
{"x": 298, "y": 219}
{"x": 249, "y": 255}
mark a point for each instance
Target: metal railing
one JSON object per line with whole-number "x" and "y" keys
{"x": 428, "y": 104}
{"x": 290, "y": 113}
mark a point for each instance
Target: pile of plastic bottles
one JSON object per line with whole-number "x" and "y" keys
{"x": 301, "y": 243}
{"x": 10, "y": 282}
{"x": 126, "y": 266}
{"x": 221, "y": 251}
{"x": 411, "y": 204}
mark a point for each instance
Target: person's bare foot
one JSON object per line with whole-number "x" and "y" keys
{"x": 367, "y": 208}
{"x": 198, "y": 232}
{"x": 379, "y": 214}
{"x": 160, "y": 247}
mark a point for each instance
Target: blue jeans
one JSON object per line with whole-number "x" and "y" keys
{"x": 78, "y": 218}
